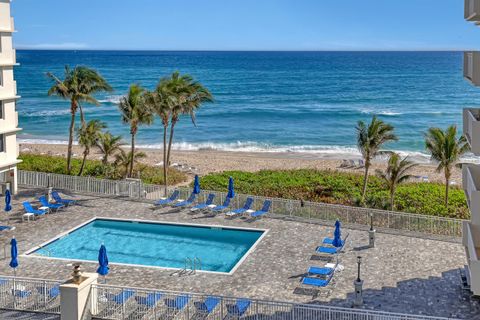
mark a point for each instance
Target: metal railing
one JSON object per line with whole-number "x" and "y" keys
{"x": 112, "y": 302}
{"x": 33, "y": 295}
{"x": 280, "y": 208}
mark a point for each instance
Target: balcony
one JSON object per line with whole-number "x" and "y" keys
{"x": 471, "y": 242}
{"x": 471, "y": 186}
{"x": 471, "y": 67}
{"x": 471, "y": 128}
{"x": 8, "y": 28}
{"x": 472, "y": 10}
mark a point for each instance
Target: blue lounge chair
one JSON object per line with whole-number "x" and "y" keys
{"x": 317, "y": 271}
{"x": 178, "y": 303}
{"x": 329, "y": 241}
{"x": 29, "y": 209}
{"x": 164, "y": 202}
{"x": 322, "y": 271}
{"x": 239, "y": 308}
{"x": 52, "y": 292}
{"x": 150, "y": 300}
{"x": 263, "y": 211}
{"x": 187, "y": 202}
{"x": 245, "y": 208}
{"x": 202, "y": 206}
{"x": 332, "y": 250}
{"x": 223, "y": 207}
{"x": 6, "y": 228}
{"x": 208, "y": 305}
{"x": 121, "y": 297}
{"x": 316, "y": 282}
{"x": 22, "y": 293}
{"x": 59, "y": 199}
{"x": 52, "y": 206}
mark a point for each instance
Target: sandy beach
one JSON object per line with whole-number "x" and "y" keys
{"x": 208, "y": 161}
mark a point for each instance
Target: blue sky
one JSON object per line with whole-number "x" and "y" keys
{"x": 244, "y": 25}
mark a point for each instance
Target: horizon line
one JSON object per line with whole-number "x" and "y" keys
{"x": 253, "y": 50}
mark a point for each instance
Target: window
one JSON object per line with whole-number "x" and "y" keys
{"x": 2, "y": 143}
{"x": 2, "y": 112}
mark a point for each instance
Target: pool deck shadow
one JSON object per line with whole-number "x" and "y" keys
{"x": 394, "y": 277}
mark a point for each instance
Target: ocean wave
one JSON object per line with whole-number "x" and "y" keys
{"x": 113, "y": 99}
{"x": 381, "y": 112}
{"x": 325, "y": 151}
{"x": 44, "y": 113}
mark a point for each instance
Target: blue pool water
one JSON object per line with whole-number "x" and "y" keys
{"x": 155, "y": 244}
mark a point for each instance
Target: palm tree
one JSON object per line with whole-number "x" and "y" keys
{"x": 187, "y": 95}
{"x": 108, "y": 144}
{"x": 446, "y": 150}
{"x": 395, "y": 174}
{"x": 134, "y": 112}
{"x": 370, "y": 138}
{"x": 123, "y": 159}
{"x": 78, "y": 85}
{"x": 160, "y": 101}
{"x": 87, "y": 137}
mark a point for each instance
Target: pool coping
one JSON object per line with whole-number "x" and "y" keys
{"x": 29, "y": 253}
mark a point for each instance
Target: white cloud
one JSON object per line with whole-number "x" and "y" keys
{"x": 53, "y": 46}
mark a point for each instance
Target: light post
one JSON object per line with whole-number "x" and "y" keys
{"x": 358, "y": 284}
{"x": 371, "y": 232}
{"x": 359, "y": 263}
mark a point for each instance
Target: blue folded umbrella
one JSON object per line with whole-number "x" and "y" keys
{"x": 102, "y": 261}
{"x": 8, "y": 200}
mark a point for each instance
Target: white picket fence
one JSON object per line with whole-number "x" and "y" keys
{"x": 281, "y": 208}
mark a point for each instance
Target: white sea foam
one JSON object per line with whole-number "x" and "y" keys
{"x": 320, "y": 151}
{"x": 45, "y": 113}
{"x": 114, "y": 99}
{"x": 380, "y": 112}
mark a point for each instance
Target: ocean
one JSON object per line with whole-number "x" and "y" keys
{"x": 265, "y": 101}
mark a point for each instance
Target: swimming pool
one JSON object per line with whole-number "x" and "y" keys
{"x": 154, "y": 244}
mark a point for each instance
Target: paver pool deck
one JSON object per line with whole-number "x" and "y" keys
{"x": 402, "y": 273}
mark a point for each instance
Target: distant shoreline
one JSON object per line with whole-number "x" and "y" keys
{"x": 209, "y": 161}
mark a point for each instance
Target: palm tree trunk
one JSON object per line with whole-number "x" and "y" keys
{"x": 70, "y": 137}
{"x": 392, "y": 199}
{"x": 447, "y": 187}
{"x": 130, "y": 170}
{"x": 172, "y": 127}
{"x": 165, "y": 158}
{"x": 82, "y": 115}
{"x": 85, "y": 154}
{"x": 365, "y": 182}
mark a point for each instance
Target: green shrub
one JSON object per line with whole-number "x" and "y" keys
{"x": 341, "y": 188}
{"x": 95, "y": 168}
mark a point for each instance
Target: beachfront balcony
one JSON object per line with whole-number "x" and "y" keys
{"x": 8, "y": 55}
{"x": 472, "y": 10}
{"x": 471, "y": 186}
{"x": 471, "y": 241}
{"x": 7, "y": 23}
{"x": 471, "y": 67}
{"x": 471, "y": 128}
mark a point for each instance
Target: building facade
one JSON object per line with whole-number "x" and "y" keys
{"x": 8, "y": 98}
{"x": 471, "y": 172}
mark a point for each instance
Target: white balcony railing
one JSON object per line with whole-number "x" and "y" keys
{"x": 472, "y": 10}
{"x": 471, "y": 67}
{"x": 471, "y": 128}
{"x": 471, "y": 235}
{"x": 471, "y": 183}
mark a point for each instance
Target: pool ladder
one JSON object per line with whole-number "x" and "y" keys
{"x": 192, "y": 265}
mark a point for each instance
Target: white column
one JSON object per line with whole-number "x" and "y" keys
{"x": 74, "y": 297}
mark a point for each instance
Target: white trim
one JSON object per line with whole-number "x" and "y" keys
{"x": 30, "y": 252}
